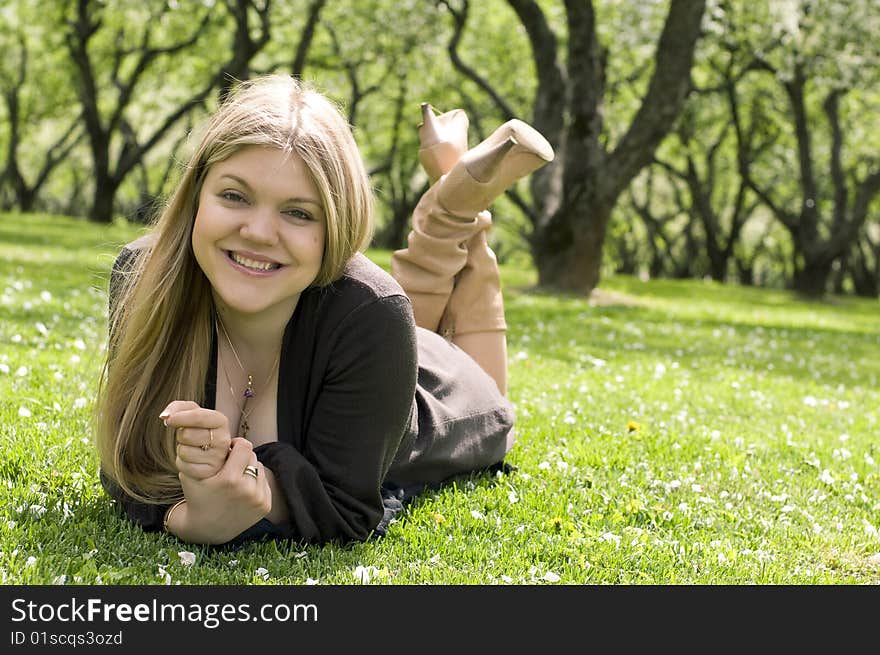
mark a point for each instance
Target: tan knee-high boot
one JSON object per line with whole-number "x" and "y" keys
{"x": 513, "y": 151}
{"x": 436, "y": 250}
{"x": 452, "y": 213}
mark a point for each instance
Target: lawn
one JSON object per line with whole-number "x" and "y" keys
{"x": 669, "y": 432}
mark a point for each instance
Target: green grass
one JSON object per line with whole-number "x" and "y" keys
{"x": 669, "y": 432}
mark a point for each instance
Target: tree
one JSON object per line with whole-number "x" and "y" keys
{"x": 819, "y": 56}
{"x": 117, "y": 146}
{"x": 28, "y": 107}
{"x": 573, "y": 197}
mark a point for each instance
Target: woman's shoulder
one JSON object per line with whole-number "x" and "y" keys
{"x": 364, "y": 290}
{"x": 363, "y": 277}
{"x": 130, "y": 251}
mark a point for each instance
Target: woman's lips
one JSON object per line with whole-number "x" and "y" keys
{"x": 252, "y": 264}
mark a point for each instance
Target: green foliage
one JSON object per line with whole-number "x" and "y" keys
{"x": 669, "y": 432}
{"x": 381, "y": 58}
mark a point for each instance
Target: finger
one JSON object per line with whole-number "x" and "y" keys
{"x": 177, "y": 406}
{"x": 239, "y": 457}
{"x": 262, "y": 498}
{"x": 195, "y": 471}
{"x": 204, "y": 438}
{"x": 252, "y": 466}
{"x": 195, "y": 455}
{"x": 196, "y": 417}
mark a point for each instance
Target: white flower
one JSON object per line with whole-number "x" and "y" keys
{"x": 826, "y": 477}
{"x": 30, "y": 561}
{"x": 24, "y": 412}
{"x": 512, "y": 497}
{"x": 22, "y": 371}
{"x": 507, "y": 579}
{"x": 166, "y": 577}
{"x": 610, "y": 537}
{"x": 478, "y": 515}
{"x": 4, "y": 368}
{"x": 263, "y": 573}
{"x": 544, "y": 466}
{"x": 79, "y": 403}
{"x": 551, "y": 577}
{"x": 311, "y": 581}
{"x": 59, "y": 579}
{"x": 233, "y": 562}
{"x": 810, "y": 401}
{"x": 364, "y": 574}
{"x": 187, "y": 558}
{"x": 42, "y": 329}
{"x": 45, "y": 296}
{"x": 39, "y": 510}
{"x": 79, "y": 344}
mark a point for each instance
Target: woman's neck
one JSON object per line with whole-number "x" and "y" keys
{"x": 255, "y": 338}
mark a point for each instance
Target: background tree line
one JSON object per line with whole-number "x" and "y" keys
{"x": 725, "y": 138}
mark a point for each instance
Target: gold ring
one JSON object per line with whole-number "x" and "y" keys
{"x": 252, "y": 471}
{"x": 207, "y": 446}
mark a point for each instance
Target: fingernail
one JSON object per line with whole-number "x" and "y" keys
{"x": 165, "y": 414}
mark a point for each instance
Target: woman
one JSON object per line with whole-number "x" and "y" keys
{"x": 263, "y": 376}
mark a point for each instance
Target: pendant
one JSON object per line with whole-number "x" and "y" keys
{"x": 249, "y": 392}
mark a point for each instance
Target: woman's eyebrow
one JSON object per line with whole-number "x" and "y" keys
{"x": 238, "y": 179}
{"x": 305, "y": 201}
{"x": 297, "y": 199}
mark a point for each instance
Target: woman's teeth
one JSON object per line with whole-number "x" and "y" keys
{"x": 250, "y": 263}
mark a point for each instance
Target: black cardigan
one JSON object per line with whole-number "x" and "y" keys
{"x": 351, "y": 416}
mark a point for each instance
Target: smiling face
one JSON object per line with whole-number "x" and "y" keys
{"x": 259, "y": 231}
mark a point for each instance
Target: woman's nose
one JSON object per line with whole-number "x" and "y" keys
{"x": 260, "y": 227}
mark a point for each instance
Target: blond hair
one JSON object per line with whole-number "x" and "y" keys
{"x": 162, "y": 321}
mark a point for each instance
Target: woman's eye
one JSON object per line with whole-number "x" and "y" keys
{"x": 298, "y": 214}
{"x": 232, "y": 196}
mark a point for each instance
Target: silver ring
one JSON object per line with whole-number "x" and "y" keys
{"x": 252, "y": 471}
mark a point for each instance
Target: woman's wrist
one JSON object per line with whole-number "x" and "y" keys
{"x": 173, "y": 515}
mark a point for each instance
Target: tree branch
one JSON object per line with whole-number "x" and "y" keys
{"x": 307, "y": 35}
{"x": 460, "y": 20}
{"x": 667, "y": 90}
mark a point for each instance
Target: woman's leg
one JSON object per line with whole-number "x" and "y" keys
{"x": 448, "y": 269}
{"x": 474, "y": 317}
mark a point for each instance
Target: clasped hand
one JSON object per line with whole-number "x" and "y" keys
{"x": 216, "y": 472}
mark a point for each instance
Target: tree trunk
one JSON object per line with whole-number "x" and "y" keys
{"x": 586, "y": 179}
{"x": 570, "y": 258}
{"x": 811, "y": 280}
{"x": 103, "y": 199}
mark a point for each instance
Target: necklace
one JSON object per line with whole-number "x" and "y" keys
{"x": 249, "y": 392}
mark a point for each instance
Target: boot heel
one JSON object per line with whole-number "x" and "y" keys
{"x": 443, "y": 140}
{"x": 483, "y": 173}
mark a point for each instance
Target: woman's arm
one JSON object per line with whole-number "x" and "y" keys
{"x": 331, "y": 485}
